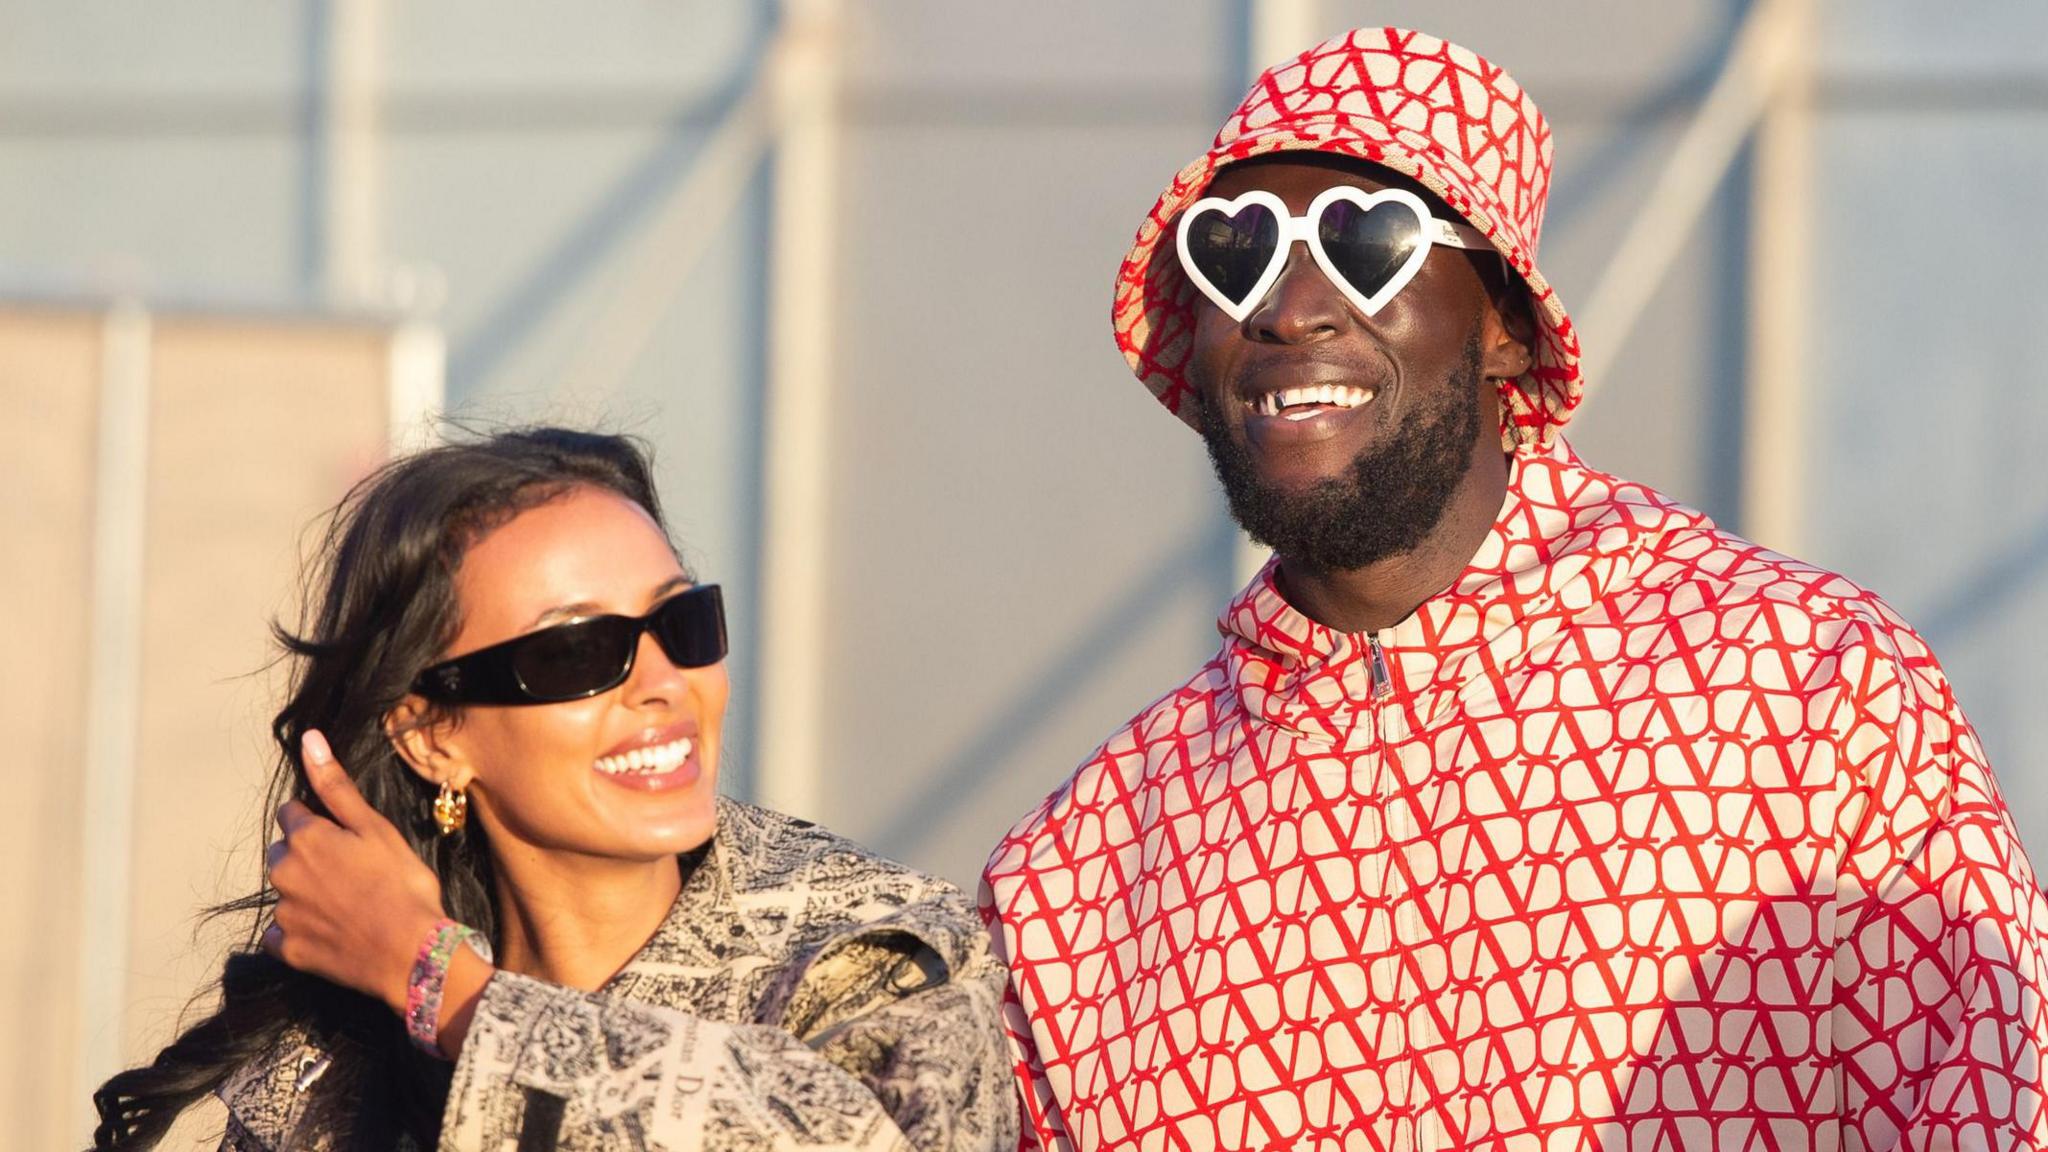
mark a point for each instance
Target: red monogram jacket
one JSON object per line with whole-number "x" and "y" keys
{"x": 1639, "y": 836}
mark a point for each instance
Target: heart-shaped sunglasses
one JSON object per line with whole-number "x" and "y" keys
{"x": 1369, "y": 244}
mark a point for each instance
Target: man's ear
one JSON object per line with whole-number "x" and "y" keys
{"x": 1508, "y": 335}
{"x": 421, "y": 737}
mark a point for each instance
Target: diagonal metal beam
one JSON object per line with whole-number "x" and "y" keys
{"x": 677, "y": 239}
{"x": 957, "y": 778}
{"x": 1766, "y": 48}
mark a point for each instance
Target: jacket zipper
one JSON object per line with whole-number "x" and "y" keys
{"x": 1382, "y": 677}
{"x": 1380, "y": 688}
{"x": 1422, "y": 1133}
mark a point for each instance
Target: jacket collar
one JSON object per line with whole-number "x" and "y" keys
{"x": 755, "y": 904}
{"x": 1566, "y": 537}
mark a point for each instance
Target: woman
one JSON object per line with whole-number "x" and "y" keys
{"x": 502, "y": 741}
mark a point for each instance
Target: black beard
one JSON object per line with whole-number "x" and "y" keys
{"x": 1391, "y": 501}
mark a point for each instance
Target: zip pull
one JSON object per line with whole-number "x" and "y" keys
{"x": 1382, "y": 676}
{"x": 312, "y": 1066}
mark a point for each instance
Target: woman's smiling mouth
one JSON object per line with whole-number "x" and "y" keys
{"x": 655, "y": 761}
{"x": 648, "y": 761}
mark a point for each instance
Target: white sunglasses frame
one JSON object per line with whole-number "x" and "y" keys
{"x": 1433, "y": 230}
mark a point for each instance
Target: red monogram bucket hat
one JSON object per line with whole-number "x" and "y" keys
{"x": 1404, "y": 100}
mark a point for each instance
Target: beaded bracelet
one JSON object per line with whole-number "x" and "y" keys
{"x": 429, "y": 975}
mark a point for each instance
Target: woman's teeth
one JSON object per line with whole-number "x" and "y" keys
{"x": 650, "y": 761}
{"x": 1323, "y": 395}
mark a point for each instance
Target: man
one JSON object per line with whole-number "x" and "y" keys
{"x": 1522, "y": 807}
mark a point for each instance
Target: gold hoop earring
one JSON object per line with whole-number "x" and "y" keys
{"x": 451, "y": 810}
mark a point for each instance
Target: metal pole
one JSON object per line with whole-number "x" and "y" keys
{"x": 1277, "y": 29}
{"x": 354, "y": 224}
{"x": 1280, "y": 29}
{"x": 797, "y": 466}
{"x": 1780, "y": 292}
{"x": 113, "y": 723}
{"x": 417, "y": 383}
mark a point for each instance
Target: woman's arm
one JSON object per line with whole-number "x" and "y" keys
{"x": 925, "y": 1070}
{"x": 880, "y": 1044}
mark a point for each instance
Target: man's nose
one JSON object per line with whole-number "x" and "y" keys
{"x": 1301, "y": 307}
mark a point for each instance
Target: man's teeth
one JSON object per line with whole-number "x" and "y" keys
{"x": 1327, "y": 395}
{"x": 647, "y": 761}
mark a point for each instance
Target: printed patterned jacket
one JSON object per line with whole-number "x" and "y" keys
{"x": 1639, "y": 836}
{"x": 802, "y": 994}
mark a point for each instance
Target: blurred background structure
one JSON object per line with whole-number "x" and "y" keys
{"x": 847, "y": 265}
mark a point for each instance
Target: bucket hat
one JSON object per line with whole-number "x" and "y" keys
{"x": 1407, "y": 101}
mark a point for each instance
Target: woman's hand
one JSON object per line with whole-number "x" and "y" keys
{"x": 353, "y": 901}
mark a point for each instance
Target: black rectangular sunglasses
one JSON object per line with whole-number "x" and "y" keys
{"x": 581, "y": 658}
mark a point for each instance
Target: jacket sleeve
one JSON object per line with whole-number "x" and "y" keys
{"x": 1038, "y": 1120}
{"x": 1941, "y": 1012}
{"x": 877, "y": 1046}
{"x": 1039, "y": 1124}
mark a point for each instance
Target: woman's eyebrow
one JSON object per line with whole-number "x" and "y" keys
{"x": 567, "y": 612}
{"x": 591, "y": 608}
{"x": 670, "y": 587}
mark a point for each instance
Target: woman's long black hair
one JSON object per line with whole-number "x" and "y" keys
{"x": 380, "y": 607}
